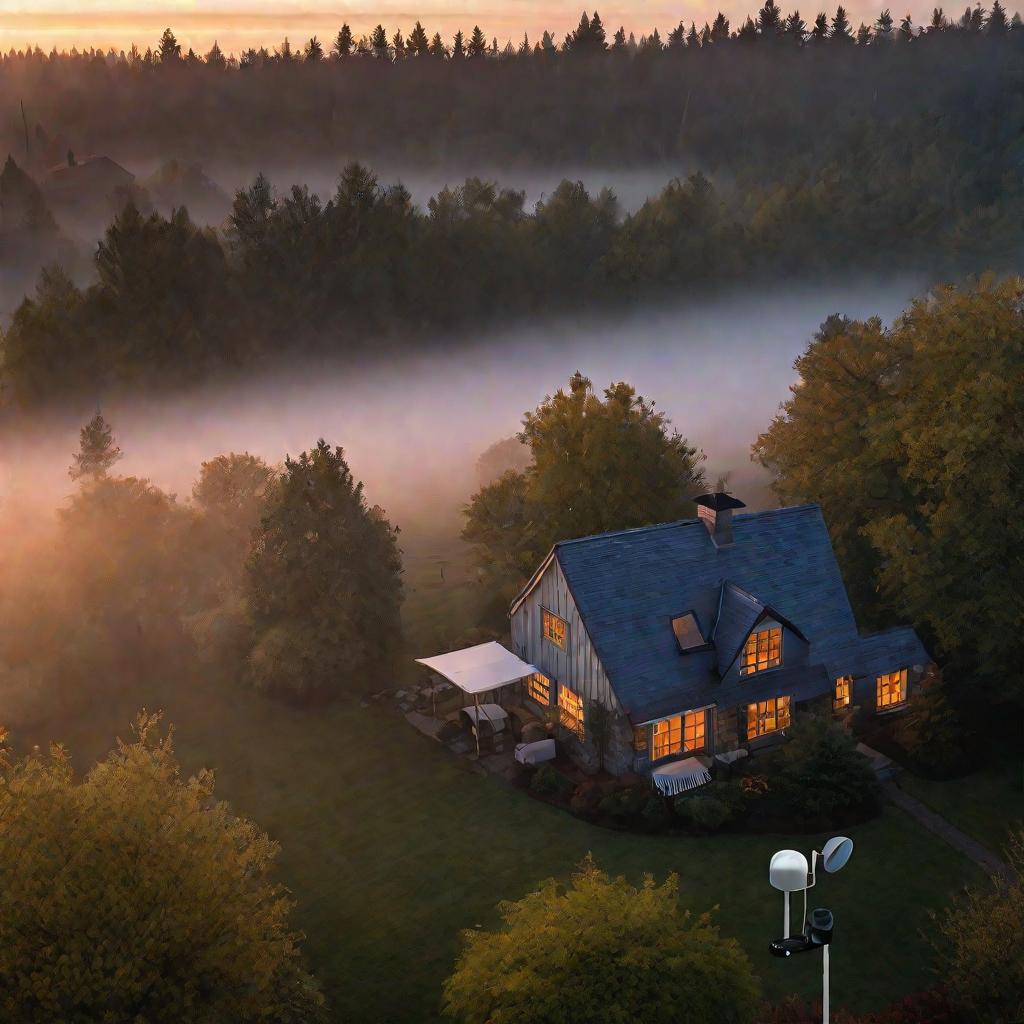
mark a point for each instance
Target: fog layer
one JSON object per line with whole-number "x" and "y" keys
{"x": 413, "y": 428}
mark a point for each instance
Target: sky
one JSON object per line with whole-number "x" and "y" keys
{"x": 238, "y": 24}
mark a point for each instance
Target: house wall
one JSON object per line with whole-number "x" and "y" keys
{"x": 794, "y": 652}
{"x": 577, "y": 667}
{"x": 863, "y": 693}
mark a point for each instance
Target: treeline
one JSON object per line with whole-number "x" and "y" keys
{"x": 719, "y": 93}
{"x": 174, "y": 302}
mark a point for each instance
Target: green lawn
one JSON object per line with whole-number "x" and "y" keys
{"x": 391, "y": 846}
{"x": 985, "y": 804}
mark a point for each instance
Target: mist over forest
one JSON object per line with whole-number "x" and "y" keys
{"x": 308, "y": 356}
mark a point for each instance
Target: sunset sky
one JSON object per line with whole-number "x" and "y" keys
{"x": 237, "y": 24}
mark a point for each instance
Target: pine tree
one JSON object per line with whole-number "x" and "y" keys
{"x": 938, "y": 23}
{"x": 168, "y": 49}
{"x": 214, "y": 59}
{"x": 619, "y": 43}
{"x": 748, "y": 31}
{"x": 720, "y": 29}
{"x": 863, "y": 35}
{"x": 437, "y": 47}
{"x": 769, "y": 20}
{"x": 96, "y": 450}
{"x": 997, "y": 25}
{"x": 284, "y": 55}
{"x": 458, "y": 46}
{"x": 883, "y": 27}
{"x": 598, "y": 38}
{"x": 820, "y": 31}
{"x": 692, "y": 39}
{"x": 705, "y": 35}
{"x": 314, "y": 52}
{"x": 379, "y": 43}
{"x": 677, "y": 38}
{"x": 342, "y": 43}
{"x": 477, "y": 43}
{"x": 418, "y": 44}
{"x": 977, "y": 19}
{"x": 841, "y": 27}
{"x": 398, "y": 45}
{"x": 906, "y": 30}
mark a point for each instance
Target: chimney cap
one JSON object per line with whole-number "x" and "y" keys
{"x": 719, "y": 501}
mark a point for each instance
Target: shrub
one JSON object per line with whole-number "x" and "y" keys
{"x": 712, "y": 806}
{"x": 600, "y": 951}
{"x": 586, "y": 798}
{"x": 626, "y": 805}
{"x": 931, "y": 732}
{"x": 547, "y": 780}
{"x": 822, "y": 774}
{"x": 655, "y": 816}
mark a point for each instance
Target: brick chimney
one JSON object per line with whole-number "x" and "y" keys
{"x": 715, "y": 511}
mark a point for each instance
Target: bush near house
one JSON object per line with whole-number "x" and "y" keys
{"x": 601, "y": 951}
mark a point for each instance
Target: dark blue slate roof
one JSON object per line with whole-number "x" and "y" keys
{"x": 629, "y": 585}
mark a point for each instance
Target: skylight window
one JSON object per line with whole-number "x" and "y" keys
{"x": 688, "y": 634}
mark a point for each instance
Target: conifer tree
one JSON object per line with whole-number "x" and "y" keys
{"x": 692, "y": 39}
{"x": 343, "y": 43}
{"x": 820, "y": 31}
{"x": 841, "y": 27}
{"x": 720, "y": 29}
{"x": 883, "y": 27}
{"x": 417, "y": 44}
{"x": 379, "y": 43}
{"x": 477, "y": 44}
{"x": 96, "y": 450}
{"x": 458, "y": 46}
{"x": 214, "y": 59}
{"x": 168, "y": 49}
{"x": 769, "y": 20}
{"x": 997, "y": 25}
{"x": 906, "y": 30}
{"x": 314, "y": 52}
{"x": 437, "y": 47}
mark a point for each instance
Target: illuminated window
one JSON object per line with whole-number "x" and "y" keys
{"x": 570, "y": 710}
{"x": 639, "y": 738}
{"x": 677, "y": 734}
{"x": 553, "y": 628}
{"x": 687, "y": 632}
{"x": 538, "y": 688}
{"x": 841, "y": 698}
{"x": 767, "y": 716}
{"x": 891, "y": 689}
{"x": 762, "y": 650}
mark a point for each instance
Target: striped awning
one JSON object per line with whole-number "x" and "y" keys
{"x": 679, "y": 776}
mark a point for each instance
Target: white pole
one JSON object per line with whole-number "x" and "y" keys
{"x": 824, "y": 984}
{"x": 785, "y": 915}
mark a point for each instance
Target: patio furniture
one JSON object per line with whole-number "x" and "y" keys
{"x": 679, "y": 776}
{"x": 492, "y": 716}
{"x": 535, "y": 753}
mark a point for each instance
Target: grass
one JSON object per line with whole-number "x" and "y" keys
{"x": 392, "y": 846}
{"x": 985, "y": 804}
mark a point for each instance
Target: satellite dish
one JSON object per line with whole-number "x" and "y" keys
{"x": 835, "y": 853}
{"x": 788, "y": 871}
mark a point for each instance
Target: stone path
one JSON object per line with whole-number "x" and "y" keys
{"x": 981, "y": 855}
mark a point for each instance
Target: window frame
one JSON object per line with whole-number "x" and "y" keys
{"x": 702, "y": 646}
{"x": 545, "y": 613}
{"x": 783, "y": 700}
{"x": 694, "y": 723}
{"x": 901, "y": 675}
{"x": 531, "y": 681}
{"x": 571, "y": 714}
{"x": 842, "y": 698}
{"x": 753, "y": 636}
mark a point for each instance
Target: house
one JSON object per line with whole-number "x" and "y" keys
{"x": 89, "y": 187}
{"x": 705, "y": 636}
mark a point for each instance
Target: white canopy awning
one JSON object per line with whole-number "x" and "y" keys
{"x": 480, "y": 668}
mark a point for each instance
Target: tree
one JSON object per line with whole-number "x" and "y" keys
{"x": 983, "y": 957}
{"x": 379, "y": 43}
{"x": 215, "y": 57}
{"x": 96, "y": 450}
{"x": 819, "y": 33}
{"x": 418, "y": 44}
{"x": 841, "y": 27}
{"x": 938, "y": 23}
{"x": 997, "y": 24}
{"x": 437, "y": 48}
{"x": 720, "y": 29}
{"x": 314, "y": 52}
{"x": 458, "y": 46}
{"x": 477, "y": 44}
{"x": 769, "y": 20}
{"x": 168, "y": 49}
{"x": 863, "y": 35}
{"x": 323, "y": 584}
{"x": 921, "y": 505}
{"x": 231, "y": 493}
{"x": 796, "y": 28}
{"x": 931, "y": 729}
{"x": 596, "y": 465}
{"x": 883, "y": 27}
{"x": 507, "y": 454}
{"x": 906, "y": 33}
{"x": 600, "y": 951}
{"x": 74, "y": 859}
{"x": 343, "y": 43}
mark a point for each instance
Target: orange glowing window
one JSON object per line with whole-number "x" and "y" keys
{"x": 553, "y": 628}
{"x": 762, "y": 650}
